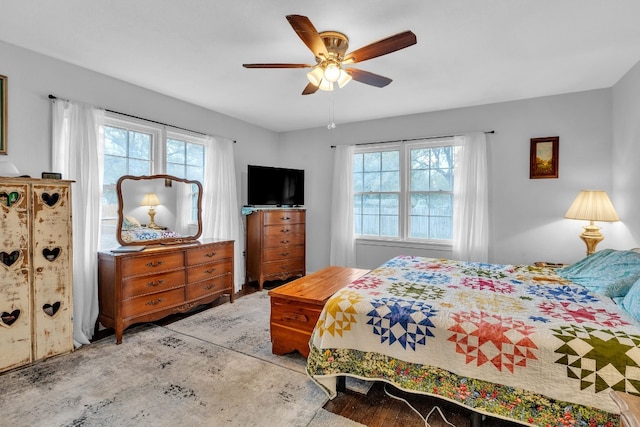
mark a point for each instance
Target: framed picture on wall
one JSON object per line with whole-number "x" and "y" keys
{"x": 544, "y": 157}
{"x": 3, "y": 115}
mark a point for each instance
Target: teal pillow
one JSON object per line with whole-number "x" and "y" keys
{"x": 631, "y": 301}
{"x": 608, "y": 272}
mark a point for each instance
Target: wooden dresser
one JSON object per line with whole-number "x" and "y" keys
{"x": 148, "y": 285}
{"x": 35, "y": 270}
{"x": 275, "y": 245}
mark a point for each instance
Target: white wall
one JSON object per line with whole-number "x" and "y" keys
{"x": 626, "y": 155}
{"x": 527, "y": 221}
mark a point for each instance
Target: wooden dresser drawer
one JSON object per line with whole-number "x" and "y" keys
{"x": 207, "y": 271}
{"x": 206, "y": 287}
{"x": 141, "y": 285}
{"x": 283, "y": 230}
{"x": 283, "y": 240}
{"x": 208, "y": 254}
{"x": 283, "y": 253}
{"x": 150, "y": 264}
{"x": 284, "y": 217}
{"x": 154, "y": 302}
{"x": 288, "y": 265}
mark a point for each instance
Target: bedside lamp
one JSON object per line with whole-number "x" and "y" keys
{"x": 592, "y": 205}
{"x": 151, "y": 200}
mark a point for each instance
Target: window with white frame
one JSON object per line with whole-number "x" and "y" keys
{"x": 133, "y": 147}
{"x": 404, "y": 191}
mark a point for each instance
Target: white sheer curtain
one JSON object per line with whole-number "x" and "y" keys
{"x": 343, "y": 249}
{"x": 220, "y": 211}
{"x": 183, "y": 209}
{"x": 471, "y": 199}
{"x": 77, "y": 153}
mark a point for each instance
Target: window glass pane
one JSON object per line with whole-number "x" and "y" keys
{"x": 195, "y": 155}
{"x": 115, "y": 141}
{"x": 441, "y": 227}
{"x": 175, "y": 151}
{"x": 390, "y": 161}
{"x": 139, "y": 167}
{"x": 195, "y": 173}
{"x": 419, "y": 180}
{"x": 175, "y": 170}
{"x": 390, "y": 181}
{"x": 371, "y": 161}
{"x": 140, "y": 145}
{"x": 371, "y": 181}
{"x": 441, "y": 180}
{"x": 114, "y": 168}
{"x": 357, "y": 163}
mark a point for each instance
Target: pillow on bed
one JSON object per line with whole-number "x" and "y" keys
{"x": 608, "y": 272}
{"x": 129, "y": 222}
{"x": 631, "y": 301}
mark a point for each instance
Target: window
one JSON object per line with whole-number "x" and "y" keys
{"x": 132, "y": 147}
{"x": 404, "y": 191}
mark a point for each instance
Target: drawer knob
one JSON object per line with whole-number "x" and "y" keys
{"x": 285, "y": 230}
{"x": 155, "y": 301}
{"x": 285, "y": 218}
{"x": 210, "y": 254}
{"x": 210, "y": 270}
{"x": 154, "y": 263}
{"x": 154, "y": 284}
{"x": 209, "y": 286}
{"x": 284, "y": 241}
{"x": 284, "y": 267}
{"x": 284, "y": 254}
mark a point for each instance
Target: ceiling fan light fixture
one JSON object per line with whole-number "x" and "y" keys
{"x": 332, "y": 72}
{"x": 315, "y": 76}
{"x": 344, "y": 78}
{"x": 326, "y": 85}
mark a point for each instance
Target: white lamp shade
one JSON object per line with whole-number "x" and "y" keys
{"x": 332, "y": 72}
{"x": 315, "y": 76}
{"x": 344, "y": 78}
{"x": 592, "y": 205}
{"x": 150, "y": 199}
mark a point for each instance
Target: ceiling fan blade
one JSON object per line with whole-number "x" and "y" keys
{"x": 308, "y": 34}
{"x": 368, "y": 78}
{"x": 382, "y": 47}
{"x": 310, "y": 89}
{"x": 276, "y": 65}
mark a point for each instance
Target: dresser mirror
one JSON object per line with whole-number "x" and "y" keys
{"x": 158, "y": 209}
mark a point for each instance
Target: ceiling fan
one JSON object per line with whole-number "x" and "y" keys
{"x": 329, "y": 49}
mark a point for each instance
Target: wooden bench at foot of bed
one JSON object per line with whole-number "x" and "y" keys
{"x": 296, "y": 306}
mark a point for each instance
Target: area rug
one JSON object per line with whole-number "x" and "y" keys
{"x": 211, "y": 369}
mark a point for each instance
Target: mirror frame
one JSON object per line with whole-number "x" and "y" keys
{"x": 171, "y": 240}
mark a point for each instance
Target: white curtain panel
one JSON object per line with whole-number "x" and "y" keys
{"x": 220, "y": 211}
{"x": 471, "y": 200}
{"x": 343, "y": 249}
{"x": 78, "y": 154}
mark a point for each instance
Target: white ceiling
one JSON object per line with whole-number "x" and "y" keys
{"x": 469, "y": 52}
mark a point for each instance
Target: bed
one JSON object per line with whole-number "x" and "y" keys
{"x": 534, "y": 345}
{"x": 133, "y": 231}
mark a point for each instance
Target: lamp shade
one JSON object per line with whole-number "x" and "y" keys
{"x": 592, "y": 205}
{"x": 150, "y": 199}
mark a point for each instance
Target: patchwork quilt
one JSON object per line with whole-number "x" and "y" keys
{"x": 516, "y": 342}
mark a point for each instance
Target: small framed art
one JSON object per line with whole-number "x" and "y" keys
{"x": 3, "y": 115}
{"x": 544, "y": 157}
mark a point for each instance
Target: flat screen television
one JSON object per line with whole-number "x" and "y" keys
{"x": 269, "y": 186}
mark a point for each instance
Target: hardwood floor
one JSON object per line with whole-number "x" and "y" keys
{"x": 377, "y": 409}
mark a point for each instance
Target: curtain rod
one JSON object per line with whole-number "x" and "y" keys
{"x": 53, "y": 97}
{"x": 411, "y": 139}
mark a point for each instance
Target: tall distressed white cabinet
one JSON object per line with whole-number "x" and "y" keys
{"x": 35, "y": 270}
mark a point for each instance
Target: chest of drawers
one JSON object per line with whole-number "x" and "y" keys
{"x": 151, "y": 284}
{"x": 275, "y": 245}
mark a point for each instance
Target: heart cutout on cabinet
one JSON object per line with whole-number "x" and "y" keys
{"x": 9, "y": 199}
{"x": 51, "y": 254}
{"x": 9, "y": 318}
{"x": 51, "y": 309}
{"x": 9, "y": 259}
{"x": 50, "y": 199}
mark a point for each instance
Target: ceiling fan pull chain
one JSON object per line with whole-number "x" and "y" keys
{"x": 332, "y": 124}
